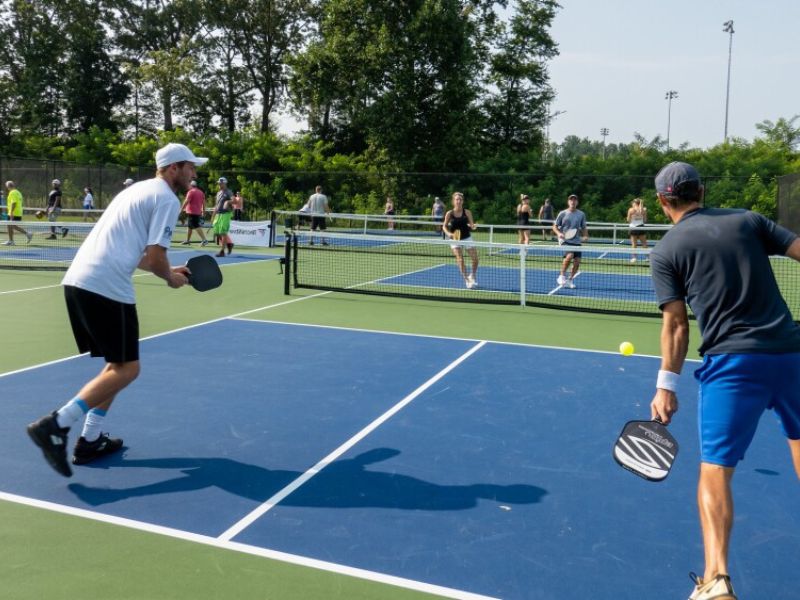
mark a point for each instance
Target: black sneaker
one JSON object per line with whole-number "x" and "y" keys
{"x": 52, "y": 439}
{"x": 86, "y": 452}
{"x": 64, "y": 232}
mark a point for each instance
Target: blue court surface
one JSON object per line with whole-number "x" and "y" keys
{"x": 493, "y": 476}
{"x": 605, "y": 286}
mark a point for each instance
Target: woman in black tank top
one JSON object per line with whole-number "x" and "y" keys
{"x": 523, "y": 218}
{"x": 458, "y": 226}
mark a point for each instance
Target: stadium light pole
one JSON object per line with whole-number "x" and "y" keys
{"x": 671, "y": 94}
{"x": 728, "y": 28}
{"x": 604, "y": 133}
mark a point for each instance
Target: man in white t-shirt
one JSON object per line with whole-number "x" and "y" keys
{"x": 135, "y": 231}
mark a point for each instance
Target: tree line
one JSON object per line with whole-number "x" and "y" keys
{"x": 421, "y": 85}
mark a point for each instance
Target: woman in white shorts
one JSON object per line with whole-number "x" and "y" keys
{"x": 458, "y": 226}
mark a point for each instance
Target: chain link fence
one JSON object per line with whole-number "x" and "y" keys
{"x": 492, "y": 197}
{"x": 34, "y": 178}
{"x": 789, "y": 202}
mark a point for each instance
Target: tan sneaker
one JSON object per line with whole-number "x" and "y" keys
{"x": 719, "y": 588}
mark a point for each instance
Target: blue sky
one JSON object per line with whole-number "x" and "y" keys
{"x": 618, "y": 59}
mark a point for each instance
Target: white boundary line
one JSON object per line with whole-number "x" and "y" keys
{"x": 254, "y": 515}
{"x": 246, "y": 549}
{"x": 561, "y": 285}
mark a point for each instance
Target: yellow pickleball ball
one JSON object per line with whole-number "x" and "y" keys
{"x": 626, "y": 348}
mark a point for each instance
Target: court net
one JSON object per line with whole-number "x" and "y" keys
{"x": 424, "y": 226}
{"x": 41, "y": 245}
{"x": 610, "y": 279}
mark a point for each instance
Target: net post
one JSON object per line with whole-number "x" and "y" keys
{"x": 292, "y": 265}
{"x": 522, "y": 272}
{"x": 272, "y": 216}
{"x": 287, "y": 264}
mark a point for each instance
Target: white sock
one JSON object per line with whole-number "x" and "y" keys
{"x": 71, "y": 412}
{"x": 93, "y": 424}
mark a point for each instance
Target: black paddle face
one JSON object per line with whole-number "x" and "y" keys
{"x": 206, "y": 274}
{"x": 646, "y": 449}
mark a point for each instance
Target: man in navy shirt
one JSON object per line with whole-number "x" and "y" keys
{"x": 717, "y": 261}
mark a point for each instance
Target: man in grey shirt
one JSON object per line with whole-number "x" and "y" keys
{"x": 717, "y": 261}
{"x": 567, "y": 219}
{"x": 318, "y": 207}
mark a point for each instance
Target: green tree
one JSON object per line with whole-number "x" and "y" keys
{"x": 31, "y": 60}
{"x": 156, "y": 38}
{"x": 517, "y": 110}
{"x": 265, "y": 33}
{"x": 783, "y": 132}
{"x": 218, "y": 93}
{"x": 395, "y": 76}
{"x": 93, "y": 85}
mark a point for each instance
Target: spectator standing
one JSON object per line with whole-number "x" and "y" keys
{"x": 88, "y": 204}
{"x": 54, "y": 209}
{"x": 318, "y": 206}
{"x": 221, "y": 217}
{"x": 194, "y": 206}
{"x": 388, "y": 211}
{"x": 637, "y": 217}
{"x": 546, "y": 215}
{"x": 14, "y": 201}
{"x": 437, "y": 212}
{"x": 238, "y": 207}
{"x": 524, "y": 213}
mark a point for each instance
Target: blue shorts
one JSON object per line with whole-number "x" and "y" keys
{"x": 735, "y": 389}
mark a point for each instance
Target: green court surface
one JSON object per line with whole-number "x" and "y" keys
{"x": 46, "y": 554}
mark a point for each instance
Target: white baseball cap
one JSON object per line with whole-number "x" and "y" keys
{"x": 193, "y": 183}
{"x": 56, "y": 182}
{"x": 128, "y": 181}
{"x": 222, "y": 180}
{"x": 173, "y": 153}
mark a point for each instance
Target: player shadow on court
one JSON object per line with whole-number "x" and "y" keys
{"x": 345, "y": 483}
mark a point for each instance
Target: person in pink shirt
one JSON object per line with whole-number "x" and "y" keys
{"x": 193, "y": 206}
{"x": 237, "y": 204}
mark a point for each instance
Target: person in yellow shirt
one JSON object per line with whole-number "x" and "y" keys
{"x": 14, "y": 201}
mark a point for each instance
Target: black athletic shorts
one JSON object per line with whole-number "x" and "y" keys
{"x": 15, "y": 219}
{"x": 103, "y": 326}
{"x": 575, "y": 253}
{"x": 318, "y": 223}
{"x": 193, "y": 221}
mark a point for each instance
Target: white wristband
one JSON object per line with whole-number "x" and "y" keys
{"x": 667, "y": 380}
